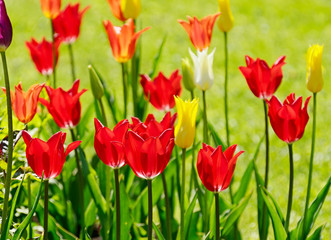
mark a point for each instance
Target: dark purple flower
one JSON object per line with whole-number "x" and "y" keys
{"x": 6, "y": 30}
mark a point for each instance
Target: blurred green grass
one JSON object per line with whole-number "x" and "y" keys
{"x": 263, "y": 28}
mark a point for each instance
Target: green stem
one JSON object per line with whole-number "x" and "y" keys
{"x": 72, "y": 62}
{"x": 193, "y": 155}
{"x": 118, "y": 206}
{"x": 264, "y": 213}
{"x": 182, "y": 195}
{"x": 217, "y": 217}
{"x": 311, "y": 165}
{"x": 205, "y": 121}
{"x": 134, "y": 85}
{"x": 10, "y": 141}
{"x": 29, "y": 205}
{"x": 125, "y": 89}
{"x": 65, "y": 198}
{"x": 103, "y": 112}
{"x": 80, "y": 188}
{"x": 150, "y": 209}
{"x": 290, "y": 190}
{"x": 46, "y": 210}
{"x": 167, "y": 204}
{"x": 226, "y": 89}
{"x": 54, "y": 54}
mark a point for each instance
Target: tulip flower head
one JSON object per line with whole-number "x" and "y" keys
{"x": 64, "y": 106}
{"x": 185, "y": 128}
{"x": 203, "y": 68}
{"x": 161, "y": 90}
{"x": 110, "y": 145}
{"x": 47, "y": 157}
{"x": 215, "y": 167}
{"x": 188, "y": 78}
{"x": 262, "y": 80}
{"x": 200, "y": 31}
{"x": 50, "y": 8}
{"x": 67, "y": 23}
{"x": 6, "y": 30}
{"x": 149, "y": 146}
{"x": 125, "y": 9}
{"x": 314, "y": 68}
{"x": 24, "y": 104}
{"x": 288, "y": 119}
{"x": 123, "y": 39}
{"x": 225, "y": 21}
{"x": 42, "y": 55}
{"x": 151, "y": 127}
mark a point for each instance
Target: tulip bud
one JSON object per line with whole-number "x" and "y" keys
{"x": 130, "y": 8}
{"x": 225, "y": 21}
{"x": 96, "y": 84}
{"x": 187, "y": 74}
{"x": 203, "y": 68}
{"x": 314, "y": 68}
{"x": 185, "y": 128}
{"x": 6, "y": 30}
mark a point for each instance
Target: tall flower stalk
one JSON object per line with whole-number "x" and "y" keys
{"x": 10, "y": 141}
{"x": 5, "y": 41}
{"x": 314, "y": 85}
{"x": 263, "y": 81}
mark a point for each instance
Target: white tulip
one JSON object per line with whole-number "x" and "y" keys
{"x": 203, "y": 68}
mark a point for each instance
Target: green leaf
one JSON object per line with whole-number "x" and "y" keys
{"x": 314, "y": 209}
{"x": 157, "y": 57}
{"x": 4, "y": 235}
{"x": 90, "y": 214}
{"x": 278, "y": 209}
{"x": 259, "y": 182}
{"x": 27, "y": 219}
{"x": 234, "y": 215}
{"x": 188, "y": 215}
{"x": 244, "y": 183}
{"x": 216, "y": 138}
{"x": 158, "y": 232}
{"x": 317, "y": 235}
{"x": 90, "y": 176}
{"x": 279, "y": 231}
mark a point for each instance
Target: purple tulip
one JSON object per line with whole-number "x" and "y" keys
{"x": 6, "y": 30}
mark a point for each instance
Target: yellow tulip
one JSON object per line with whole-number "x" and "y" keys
{"x": 130, "y": 8}
{"x": 225, "y": 21}
{"x": 314, "y": 68}
{"x": 185, "y": 128}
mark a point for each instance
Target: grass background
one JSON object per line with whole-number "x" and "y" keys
{"x": 263, "y": 28}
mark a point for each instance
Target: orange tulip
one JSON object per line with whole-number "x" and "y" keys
{"x": 50, "y": 8}
{"x": 123, "y": 39}
{"x": 24, "y": 104}
{"x": 200, "y": 31}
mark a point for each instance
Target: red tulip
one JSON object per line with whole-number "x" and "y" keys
{"x": 216, "y": 167}
{"x": 161, "y": 90}
{"x": 47, "y": 157}
{"x": 262, "y": 80}
{"x": 288, "y": 119}
{"x": 151, "y": 127}
{"x": 200, "y": 31}
{"x": 67, "y": 23}
{"x": 42, "y": 55}
{"x": 109, "y": 145}
{"x": 149, "y": 147}
{"x": 64, "y": 106}
{"x": 24, "y": 104}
